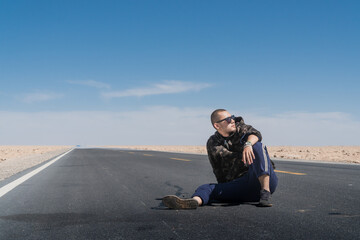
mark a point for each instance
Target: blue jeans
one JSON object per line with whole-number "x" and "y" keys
{"x": 247, "y": 187}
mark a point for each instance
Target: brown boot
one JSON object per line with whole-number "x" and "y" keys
{"x": 175, "y": 202}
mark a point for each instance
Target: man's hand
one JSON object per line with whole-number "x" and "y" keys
{"x": 248, "y": 155}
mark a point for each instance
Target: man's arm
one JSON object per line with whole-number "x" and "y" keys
{"x": 248, "y": 130}
{"x": 253, "y": 139}
{"x": 248, "y": 153}
{"x": 253, "y": 136}
{"x": 223, "y": 161}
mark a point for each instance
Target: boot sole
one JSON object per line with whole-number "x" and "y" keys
{"x": 264, "y": 204}
{"x": 174, "y": 202}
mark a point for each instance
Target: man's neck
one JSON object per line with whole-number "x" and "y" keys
{"x": 224, "y": 134}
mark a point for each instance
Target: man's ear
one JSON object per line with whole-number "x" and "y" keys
{"x": 216, "y": 126}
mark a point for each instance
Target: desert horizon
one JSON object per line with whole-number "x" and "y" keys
{"x": 345, "y": 154}
{"x": 16, "y": 158}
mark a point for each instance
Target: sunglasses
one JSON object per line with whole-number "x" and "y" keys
{"x": 228, "y": 119}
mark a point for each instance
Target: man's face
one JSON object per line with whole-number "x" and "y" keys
{"x": 223, "y": 127}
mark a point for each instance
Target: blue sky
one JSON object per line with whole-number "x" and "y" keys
{"x": 152, "y": 71}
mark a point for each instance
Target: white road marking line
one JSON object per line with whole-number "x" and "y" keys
{"x": 7, "y": 188}
{"x": 181, "y": 159}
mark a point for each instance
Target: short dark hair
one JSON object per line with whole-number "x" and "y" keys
{"x": 215, "y": 115}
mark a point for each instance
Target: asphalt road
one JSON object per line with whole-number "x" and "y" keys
{"x": 112, "y": 194}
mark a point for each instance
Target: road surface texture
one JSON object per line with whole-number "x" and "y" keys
{"x": 112, "y": 194}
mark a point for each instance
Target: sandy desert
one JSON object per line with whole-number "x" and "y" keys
{"x": 14, "y": 159}
{"x": 344, "y": 154}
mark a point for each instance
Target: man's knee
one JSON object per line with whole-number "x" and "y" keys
{"x": 259, "y": 152}
{"x": 258, "y": 147}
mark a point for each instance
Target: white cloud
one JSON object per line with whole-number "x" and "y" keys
{"x": 40, "y": 97}
{"x": 166, "y": 125}
{"x": 155, "y": 125}
{"x": 91, "y": 83}
{"x": 167, "y": 87}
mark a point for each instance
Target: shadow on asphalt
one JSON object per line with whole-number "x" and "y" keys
{"x": 214, "y": 204}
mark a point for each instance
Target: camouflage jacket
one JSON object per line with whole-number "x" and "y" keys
{"x": 225, "y": 153}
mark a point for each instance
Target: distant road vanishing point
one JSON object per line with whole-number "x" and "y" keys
{"x": 113, "y": 194}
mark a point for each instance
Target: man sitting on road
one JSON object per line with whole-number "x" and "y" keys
{"x": 240, "y": 162}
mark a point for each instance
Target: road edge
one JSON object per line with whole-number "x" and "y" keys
{"x": 10, "y": 186}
